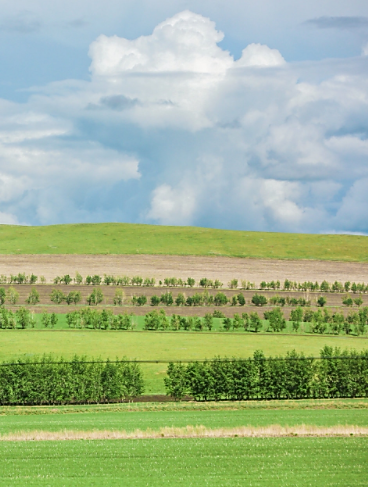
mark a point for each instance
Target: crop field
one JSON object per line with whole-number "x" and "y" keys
{"x": 187, "y": 462}
{"x": 259, "y": 443}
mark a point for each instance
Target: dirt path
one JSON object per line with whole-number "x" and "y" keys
{"x": 158, "y": 266}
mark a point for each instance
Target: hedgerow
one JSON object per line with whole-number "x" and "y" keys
{"x": 335, "y": 374}
{"x": 45, "y": 380}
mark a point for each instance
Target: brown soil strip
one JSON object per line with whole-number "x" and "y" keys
{"x": 161, "y": 266}
{"x": 191, "y": 432}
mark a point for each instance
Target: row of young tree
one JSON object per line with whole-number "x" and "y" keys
{"x": 107, "y": 279}
{"x": 44, "y": 380}
{"x": 335, "y": 374}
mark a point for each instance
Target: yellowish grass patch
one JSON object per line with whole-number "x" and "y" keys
{"x": 191, "y": 432}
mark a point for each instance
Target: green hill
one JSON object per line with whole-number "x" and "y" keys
{"x": 124, "y": 238}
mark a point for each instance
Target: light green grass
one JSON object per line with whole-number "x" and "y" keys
{"x": 161, "y": 346}
{"x": 123, "y": 238}
{"x": 130, "y": 421}
{"x": 257, "y": 462}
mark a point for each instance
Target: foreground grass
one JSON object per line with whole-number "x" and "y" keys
{"x": 160, "y": 347}
{"x": 124, "y": 238}
{"x": 187, "y": 462}
{"x": 130, "y": 421}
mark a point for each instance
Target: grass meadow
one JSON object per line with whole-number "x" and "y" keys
{"x": 187, "y": 462}
{"x": 158, "y": 346}
{"x": 124, "y": 238}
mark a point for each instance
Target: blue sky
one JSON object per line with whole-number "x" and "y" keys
{"x": 238, "y": 114}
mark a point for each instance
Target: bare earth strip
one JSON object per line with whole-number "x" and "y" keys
{"x": 159, "y": 266}
{"x": 191, "y": 432}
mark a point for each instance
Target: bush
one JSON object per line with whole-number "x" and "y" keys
{"x": 347, "y": 301}
{"x": 57, "y": 296}
{"x": 233, "y": 284}
{"x": 259, "y": 300}
{"x": 255, "y": 322}
{"x": 139, "y": 300}
{"x": 119, "y": 297}
{"x": 167, "y": 298}
{"x": 180, "y": 299}
{"x": 218, "y": 314}
{"x": 96, "y": 297}
{"x": 276, "y": 319}
{"x": 12, "y": 295}
{"x": 190, "y": 282}
{"x": 43, "y": 380}
{"x": 241, "y": 299}
{"x": 321, "y": 301}
{"x": 220, "y": 299}
{"x": 155, "y": 300}
{"x": 34, "y": 297}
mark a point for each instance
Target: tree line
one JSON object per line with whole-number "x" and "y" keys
{"x": 107, "y": 279}
{"x": 44, "y": 380}
{"x": 335, "y": 374}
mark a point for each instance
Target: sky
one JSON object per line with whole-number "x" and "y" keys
{"x": 238, "y": 115}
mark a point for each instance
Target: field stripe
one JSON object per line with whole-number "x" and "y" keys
{"x": 192, "y": 432}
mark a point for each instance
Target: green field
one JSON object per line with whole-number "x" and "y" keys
{"x": 124, "y": 238}
{"x": 124, "y": 419}
{"x": 187, "y": 462}
{"x": 161, "y": 346}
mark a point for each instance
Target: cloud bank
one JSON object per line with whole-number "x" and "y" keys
{"x": 171, "y": 129}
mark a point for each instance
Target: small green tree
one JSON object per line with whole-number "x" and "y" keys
{"x": 226, "y": 324}
{"x": 241, "y": 299}
{"x": 358, "y": 301}
{"x": 2, "y": 296}
{"x": 296, "y": 316}
{"x": 208, "y": 321}
{"x": 53, "y": 320}
{"x": 347, "y": 301}
{"x": 12, "y": 295}
{"x": 321, "y": 301}
{"x": 96, "y": 297}
{"x": 34, "y": 297}
{"x": 255, "y": 322}
{"x": 46, "y": 320}
{"x": 78, "y": 278}
{"x": 220, "y": 299}
{"x": 190, "y": 282}
{"x": 259, "y": 300}
{"x": 155, "y": 300}
{"x": 57, "y": 296}
{"x": 180, "y": 299}
{"x": 233, "y": 284}
{"x": 119, "y": 297}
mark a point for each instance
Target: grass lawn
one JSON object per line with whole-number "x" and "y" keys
{"x": 160, "y": 346}
{"x": 124, "y": 238}
{"x": 98, "y": 419}
{"x": 187, "y": 462}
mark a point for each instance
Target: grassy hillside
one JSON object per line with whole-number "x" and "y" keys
{"x": 123, "y": 238}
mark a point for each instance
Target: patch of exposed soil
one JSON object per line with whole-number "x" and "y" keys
{"x": 159, "y": 266}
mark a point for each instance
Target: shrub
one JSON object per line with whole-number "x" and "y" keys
{"x": 57, "y": 296}
{"x": 149, "y": 282}
{"x": 78, "y": 278}
{"x": 12, "y": 295}
{"x": 296, "y": 316}
{"x": 167, "y": 298}
{"x": 139, "y": 300}
{"x": 137, "y": 281}
{"x": 2, "y": 296}
{"x": 321, "y": 301}
{"x": 96, "y": 297}
{"x": 226, "y": 323}
{"x": 259, "y": 300}
{"x": 24, "y": 318}
{"x": 255, "y": 322}
{"x": 358, "y": 301}
{"x": 208, "y": 321}
{"x": 180, "y": 299}
{"x": 218, "y": 314}
{"x": 347, "y": 301}
{"x": 233, "y": 284}
{"x": 190, "y": 282}
{"x": 34, "y": 297}
{"x": 155, "y": 300}
{"x": 220, "y": 299}
{"x": 241, "y": 299}
{"x": 119, "y": 297}
{"x": 276, "y": 319}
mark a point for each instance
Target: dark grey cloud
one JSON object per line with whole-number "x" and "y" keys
{"x": 114, "y": 102}
{"x": 22, "y": 23}
{"x": 344, "y": 23}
